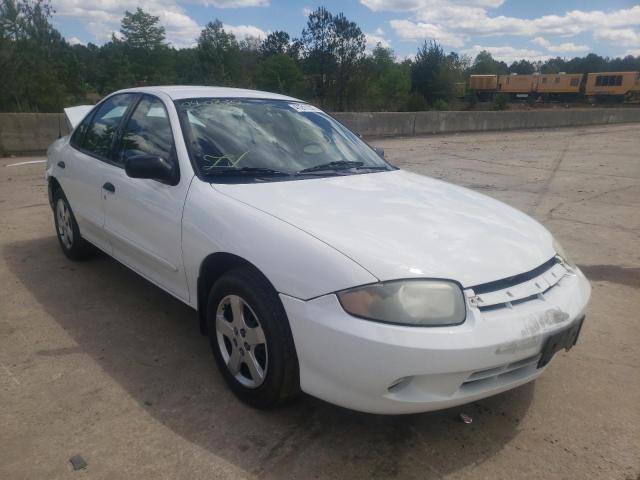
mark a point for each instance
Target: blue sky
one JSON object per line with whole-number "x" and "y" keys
{"x": 510, "y": 29}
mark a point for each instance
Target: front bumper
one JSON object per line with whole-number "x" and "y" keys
{"x": 393, "y": 369}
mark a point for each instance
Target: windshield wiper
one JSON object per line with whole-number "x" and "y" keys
{"x": 337, "y": 165}
{"x": 372, "y": 167}
{"x": 247, "y": 171}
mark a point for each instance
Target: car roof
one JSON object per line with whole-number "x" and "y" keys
{"x": 177, "y": 92}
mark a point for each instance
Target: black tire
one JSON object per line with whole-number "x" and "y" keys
{"x": 281, "y": 379}
{"x": 73, "y": 246}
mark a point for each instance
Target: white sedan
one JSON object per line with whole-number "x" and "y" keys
{"x": 314, "y": 264}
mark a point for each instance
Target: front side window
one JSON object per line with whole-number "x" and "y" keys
{"x": 77, "y": 139}
{"x": 98, "y": 137}
{"x": 284, "y": 137}
{"x": 147, "y": 132}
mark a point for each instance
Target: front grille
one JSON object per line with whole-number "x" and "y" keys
{"x": 515, "y": 279}
{"x": 518, "y": 289}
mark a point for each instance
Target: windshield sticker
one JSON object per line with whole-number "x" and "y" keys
{"x": 199, "y": 102}
{"x": 304, "y": 107}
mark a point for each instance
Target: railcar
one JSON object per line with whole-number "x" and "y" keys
{"x": 622, "y": 86}
{"x": 516, "y": 84}
{"x": 558, "y": 83}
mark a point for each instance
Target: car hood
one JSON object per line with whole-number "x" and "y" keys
{"x": 399, "y": 224}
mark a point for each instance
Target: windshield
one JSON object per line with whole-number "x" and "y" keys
{"x": 228, "y": 136}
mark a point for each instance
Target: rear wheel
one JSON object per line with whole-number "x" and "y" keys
{"x": 251, "y": 340}
{"x": 73, "y": 245}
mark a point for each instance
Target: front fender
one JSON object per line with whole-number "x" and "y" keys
{"x": 296, "y": 263}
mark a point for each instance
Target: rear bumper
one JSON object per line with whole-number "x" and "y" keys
{"x": 389, "y": 369}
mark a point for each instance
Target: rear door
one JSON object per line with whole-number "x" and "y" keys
{"x": 82, "y": 170}
{"x": 143, "y": 217}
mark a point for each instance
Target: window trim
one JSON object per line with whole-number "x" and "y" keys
{"x": 92, "y": 113}
{"x": 173, "y": 155}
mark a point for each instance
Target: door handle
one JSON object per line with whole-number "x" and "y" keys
{"x": 109, "y": 187}
{"x": 61, "y": 164}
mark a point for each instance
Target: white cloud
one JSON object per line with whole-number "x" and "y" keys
{"x": 508, "y": 54}
{"x": 476, "y": 21}
{"x": 456, "y": 22}
{"x": 102, "y": 17}
{"x": 376, "y": 38}
{"x": 75, "y": 41}
{"x": 624, "y": 36}
{"x": 244, "y": 31}
{"x": 634, "y": 52}
{"x": 181, "y": 30}
{"x": 409, "y": 30}
{"x": 414, "y": 5}
{"x": 567, "y": 47}
{"x": 306, "y": 11}
{"x": 234, "y": 3}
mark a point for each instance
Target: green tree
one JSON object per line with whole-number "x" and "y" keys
{"x": 485, "y": 64}
{"x": 590, "y": 63}
{"x": 318, "y": 41}
{"x": 553, "y": 65}
{"x": 433, "y": 73}
{"x": 295, "y": 49}
{"x": 219, "y": 55}
{"x": 141, "y": 30}
{"x": 187, "y": 66}
{"x": 249, "y": 56}
{"x": 348, "y": 46}
{"x": 114, "y": 67}
{"x": 35, "y": 61}
{"x": 522, "y": 67}
{"x": 11, "y": 24}
{"x": 276, "y": 43}
{"x": 143, "y": 40}
{"x": 280, "y": 74}
{"x": 388, "y": 82}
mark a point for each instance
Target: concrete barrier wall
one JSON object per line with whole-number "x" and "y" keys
{"x": 23, "y": 133}
{"x": 420, "y": 123}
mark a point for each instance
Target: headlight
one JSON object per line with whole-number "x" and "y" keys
{"x": 562, "y": 254}
{"x": 407, "y": 302}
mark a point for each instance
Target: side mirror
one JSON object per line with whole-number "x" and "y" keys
{"x": 151, "y": 167}
{"x": 379, "y": 151}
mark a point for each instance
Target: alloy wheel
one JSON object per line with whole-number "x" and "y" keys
{"x": 241, "y": 341}
{"x": 65, "y": 228}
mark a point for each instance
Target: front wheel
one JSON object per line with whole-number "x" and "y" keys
{"x": 251, "y": 340}
{"x": 73, "y": 245}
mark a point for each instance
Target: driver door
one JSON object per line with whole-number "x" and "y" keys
{"x": 143, "y": 217}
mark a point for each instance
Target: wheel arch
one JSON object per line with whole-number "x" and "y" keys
{"x": 211, "y": 269}
{"x": 52, "y": 187}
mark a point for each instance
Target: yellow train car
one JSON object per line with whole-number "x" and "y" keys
{"x": 612, "y": 83}
{"x": 516, "y": 83}
{"x": 551, "y": 83}
{"x": 481, "y": 83}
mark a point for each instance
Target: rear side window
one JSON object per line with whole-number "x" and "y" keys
{"x": 98, "y": 137}
{"x": 147, "y": 132}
